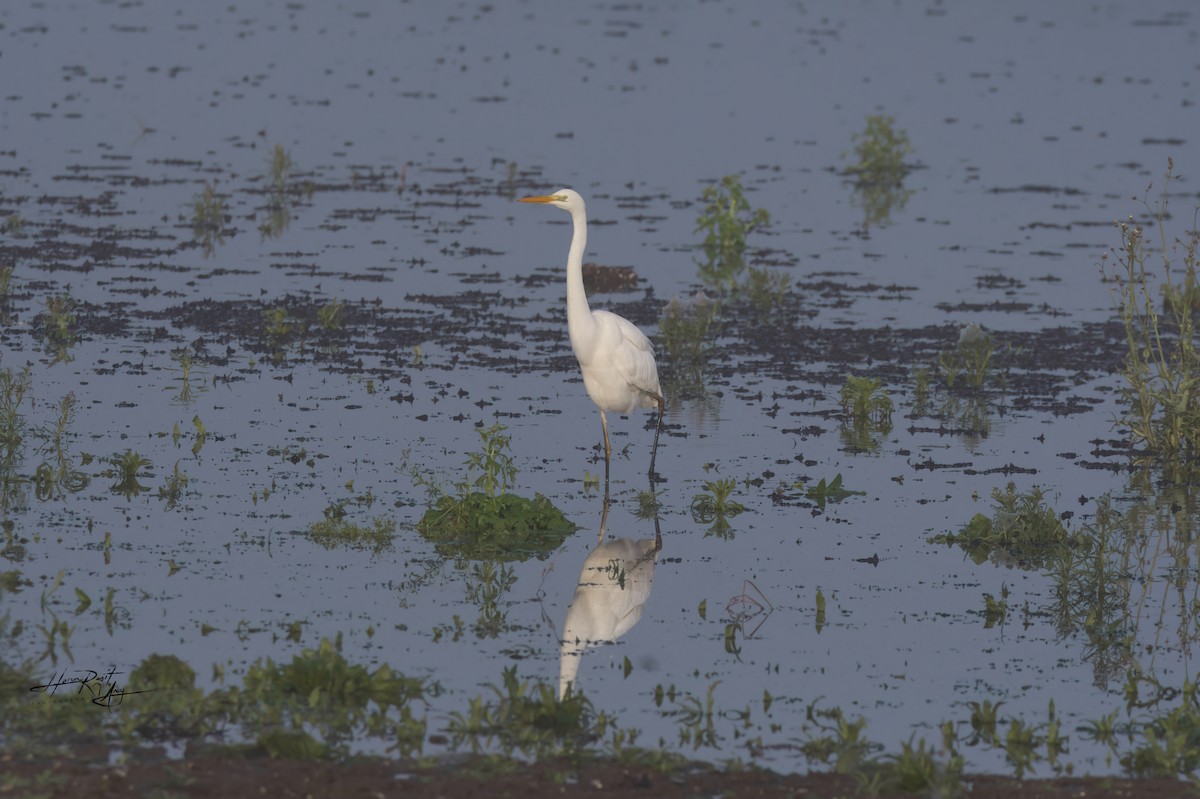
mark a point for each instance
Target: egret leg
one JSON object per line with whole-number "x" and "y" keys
{"x": 607, "y": 448}
{"x": 657, "y": 431}
{"x": 603, "y": 519}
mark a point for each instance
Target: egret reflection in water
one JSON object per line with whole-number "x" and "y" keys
{"x": 614, "y": 585}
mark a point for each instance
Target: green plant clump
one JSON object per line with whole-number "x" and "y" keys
{"x": 1022, "y": 529}
{"x": 1162, "y": 366}
{"x": 333, "y": 531}
{"x": 726, "y": 221}
{"x": 483, "y": 520}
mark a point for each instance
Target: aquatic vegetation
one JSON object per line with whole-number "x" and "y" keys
{"x": 14, "y": 385}
{"x": 715, "y": 506}
{"x": 336, "y": 531}
{"x": 6, "y": 274}
{"x": 696, "y": 717}
{"x": 530, "y": 719}
{"x": 172, "y": 490}
{"x": 208, "y": 219}
{"x": 879, "y": 170}
{"x": 1162, "y": 367}
{"x": 187, "y": 390}
{"x": 486, "y": 583}
{"x": 726, "y": 221}
{"x": 483, "y": 519}
{"x": 684, "y": 331}
{"x": 995, "y": 611}
{"x": 329, "y": 316}
{"x": 880, "y": 151}
{"x": 128, "y": 468}
{"x": 766, "y": 290}
{"x": 867, "y": 411}
{"x": 278, "y": 325}
{"x": 1022, "y": 530}
{"x": 831, "y": 491}
{"x": 970, "y": 357}
{"x": 1092, "y": 592}
{"x": 12, "y": 225}
{"x": 865, "y": 402}
{"x": 279, "y": 202}
{"x": 320, "y": 692}
{"x": 58, "y": 325}
{"x": 57, "y": 477}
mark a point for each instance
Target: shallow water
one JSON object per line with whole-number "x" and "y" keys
{"x": 413, "y": 127}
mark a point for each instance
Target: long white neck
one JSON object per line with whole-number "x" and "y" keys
{"x": 579, "y": 314}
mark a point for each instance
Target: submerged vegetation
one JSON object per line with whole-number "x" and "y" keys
{"x": 1022, "y": 529}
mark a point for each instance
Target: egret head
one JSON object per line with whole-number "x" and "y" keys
{"x": 565, "y": 199}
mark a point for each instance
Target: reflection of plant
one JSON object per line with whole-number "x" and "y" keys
{"x": 1162, "y": 366}
{"x": 128, "y": 467}
{"x": 530, "y": 719}
{"x": 486, "y": 584}
{"x": 1092, "y": 593}
{"x": 321, "y": 692}
{"x": 726, "y": 221}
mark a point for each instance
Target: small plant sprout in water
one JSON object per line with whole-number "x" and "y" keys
{"x": 829, "y": 491}
{"x": 208, "y": 219}
{"x": 128, "y": 468}
{"x": 714, "y": 506}
{"x": 172, "y": 491}
{"x": 6, "y": 274}
{"x": 868, "y": 413}
{"x": 329, "y": 316}
{"x": 970, "y": 359}
{"x": 878, "y": 170}
{"x": 58, "y": 476}
{"x": 864, "y": 401}
{"x": 726, "y": 221}
{"x": 279, "y": 203}
{"x": 58, "y": 326}
{"x": 185, "y": 389}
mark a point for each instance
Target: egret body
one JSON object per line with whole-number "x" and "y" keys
{"x": 616, "y": 358}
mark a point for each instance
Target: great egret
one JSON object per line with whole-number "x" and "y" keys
{"x": 617, "y": 360}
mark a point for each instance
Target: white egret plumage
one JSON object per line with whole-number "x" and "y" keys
{"x": 616, "y": 358}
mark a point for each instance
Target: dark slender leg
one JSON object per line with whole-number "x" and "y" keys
{"x": 607, "y": 449}
{"x": 603, "y": 518}
{"x": 657, "y": 431}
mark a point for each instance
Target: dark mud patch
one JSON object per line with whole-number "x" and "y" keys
{"x": 237, "y": 776}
